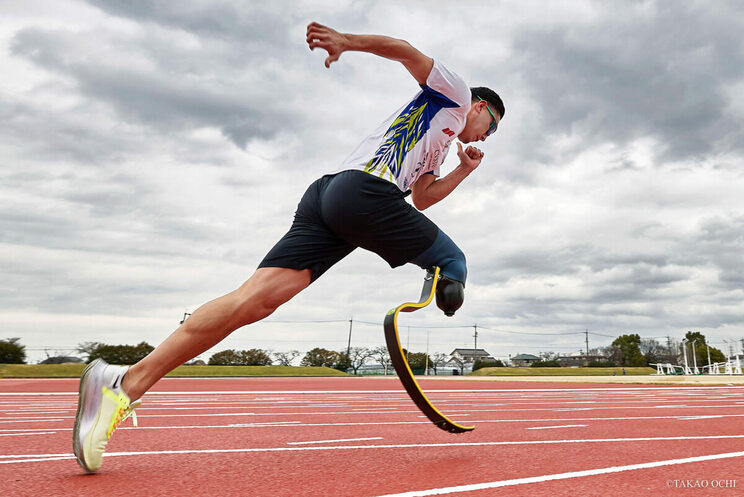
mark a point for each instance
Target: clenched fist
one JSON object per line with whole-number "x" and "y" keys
{"x": 470, "y": 157}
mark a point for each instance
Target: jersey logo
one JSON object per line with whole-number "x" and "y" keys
{"x": 406, "y": 131}
{"x": 448, "y": 132}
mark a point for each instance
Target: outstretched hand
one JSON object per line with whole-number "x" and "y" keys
{"x": 470, "y": 157}
{"x": 326, "y": 38}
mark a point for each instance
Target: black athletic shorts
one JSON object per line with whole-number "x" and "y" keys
{"x": 340, "y": 212}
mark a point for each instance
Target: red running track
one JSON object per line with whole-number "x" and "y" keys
{"x": 363, "y": 437}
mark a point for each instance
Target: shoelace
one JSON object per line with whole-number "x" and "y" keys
{"x": 122, "y": 414}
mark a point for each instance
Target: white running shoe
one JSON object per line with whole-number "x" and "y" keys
{"x": 102, "y": 406}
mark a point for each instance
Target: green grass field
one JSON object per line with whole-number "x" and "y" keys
{"x": 74, "y": 371}
{"x": 561, "y": 371}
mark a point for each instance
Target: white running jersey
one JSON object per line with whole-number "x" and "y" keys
{"x": 416, "y": 138}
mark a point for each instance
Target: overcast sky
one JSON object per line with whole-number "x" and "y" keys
{"x": 152, "y": 152}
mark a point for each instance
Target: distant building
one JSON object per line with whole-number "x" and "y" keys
{"x": 524, "y": 360}
{"x": 469, "y": 355}
{"x": 579, "y": 360}
{"x": 461, "y": 360}
{"x": 62, "y": 360}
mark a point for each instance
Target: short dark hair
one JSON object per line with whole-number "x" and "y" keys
{"x": 489, "y": 96}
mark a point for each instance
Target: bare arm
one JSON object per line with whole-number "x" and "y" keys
{"x": 335, "y": 43}
{"x": 427, "y": 190}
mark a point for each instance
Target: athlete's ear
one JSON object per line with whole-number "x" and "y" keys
{"x": 450, "y": 295}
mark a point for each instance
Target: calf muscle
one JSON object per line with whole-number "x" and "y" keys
{"x": 257, "y": 298}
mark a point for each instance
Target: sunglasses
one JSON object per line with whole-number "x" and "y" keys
{"x": 494, "y": 123}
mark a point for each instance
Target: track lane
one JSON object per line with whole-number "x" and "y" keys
{"x": 408, "y": 454}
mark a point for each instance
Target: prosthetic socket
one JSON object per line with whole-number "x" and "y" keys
{"x": 453, "y": 271}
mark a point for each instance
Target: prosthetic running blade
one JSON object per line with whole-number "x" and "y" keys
{"x": 401, "y": 364}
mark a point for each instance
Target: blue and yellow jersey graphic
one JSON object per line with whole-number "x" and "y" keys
{"x": 405, "y": 132}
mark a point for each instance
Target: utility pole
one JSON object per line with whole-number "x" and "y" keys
{"x": 475, "y": 346}
{"x": 408, "y": 341}
{"x": 348, "y": 347}
{"x": 586, "y": 332}
{"x": 669, "y": 349}
{"x": 426, "y": 361}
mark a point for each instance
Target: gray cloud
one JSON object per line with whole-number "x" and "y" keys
{"x": 722, "y": 239}
{"x": 262, "y": 26}
{"x": 148, "y": 93}
{"x": 650, "y": 69}
{"x": 153, "y": 153}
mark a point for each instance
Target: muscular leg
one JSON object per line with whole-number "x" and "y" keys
{"x": 257, "y": 298}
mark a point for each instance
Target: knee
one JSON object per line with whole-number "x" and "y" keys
{"x": 453, "y": 272}
{"x": 264, "y": 304}
{"x": 454, "y": 266}
{"x": 250, "y": 307}
{"x": 261, "y": 295}
{"x": 445, "y": 254}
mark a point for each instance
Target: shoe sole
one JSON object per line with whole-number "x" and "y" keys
{"x": 76, "y": 446}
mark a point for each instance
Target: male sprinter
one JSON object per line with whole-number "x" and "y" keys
{"x": 361, "y": 206}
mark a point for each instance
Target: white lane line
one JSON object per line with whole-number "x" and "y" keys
{"x": 60, "y": 458}
{"x": 551, "y": 427}
{"x": 300, "y": 424}
{"x": 459, "y": 391}
{"x": 46, "y": 420}
{"x": 330, "y": 441}
{"x": 153, "y": 404}
{"x": 243, "y": 425}
{"x": 35, "y": 418}
{"x": 562, "y": 476}
{"x": 217, "y": 414}
{"x": 449, "y": 414}
{"x": 455, "y": 413}
{"x": 690, "y": 418}
{"x": 21, "y": 434}
{"x": 377, "y": 409}
{"x": 41, "y": 457}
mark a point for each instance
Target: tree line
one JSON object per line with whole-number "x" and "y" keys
{"x": 13, "y": 352}
{"x": 625, "y": 350}
{"x": 632, "y": 350}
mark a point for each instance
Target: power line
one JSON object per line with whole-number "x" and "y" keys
{"x": 51, "y": 347}
{"x": 415, "y": 326}
{"x": 307, "y": 321}
{"x": 601, "y": 335}
{"x": 529, "y": 332}
{"x": 496, "y": 330}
